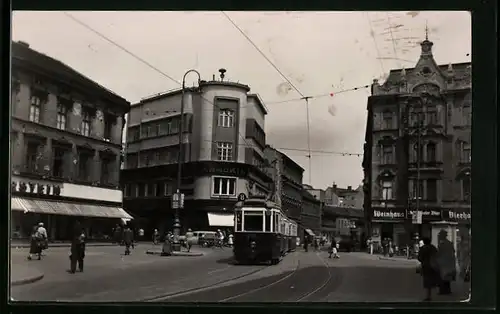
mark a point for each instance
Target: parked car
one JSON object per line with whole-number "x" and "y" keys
{"x": 199, "y": 236}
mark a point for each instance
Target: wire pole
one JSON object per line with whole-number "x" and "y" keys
{"x": 308, "y": 139}
{"x": 177, "y": 199}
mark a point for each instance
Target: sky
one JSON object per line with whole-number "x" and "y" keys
{"x": 323, "y": 54}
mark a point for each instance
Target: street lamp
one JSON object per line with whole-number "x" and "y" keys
{"x": 178, "y": 199}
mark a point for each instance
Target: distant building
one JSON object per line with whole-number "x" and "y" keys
{"x": 66, "y": 137}
{"x": 224, "y": 142}
{"x": 417, "y": 153}
{"x": 312, "y": 208}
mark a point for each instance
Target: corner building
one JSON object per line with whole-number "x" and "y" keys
{"x": 66, "y": 136}
{"x": 417, "y": 155}
{"x": 223, "y": 144}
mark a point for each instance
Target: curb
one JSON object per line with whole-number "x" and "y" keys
{"x": 26, "y": 246}
{"x": 159, "y": 253}
{"x": 397, "y": 260}
{"x": 26, "y": 281}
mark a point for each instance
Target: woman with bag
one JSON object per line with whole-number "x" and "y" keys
{"x": 429, "y": 269}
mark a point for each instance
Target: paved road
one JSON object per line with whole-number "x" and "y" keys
{"x": 355, "y": 277}
{"x": 108, "y": 276}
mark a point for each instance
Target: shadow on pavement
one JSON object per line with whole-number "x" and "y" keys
{"x": 355, "y": 284}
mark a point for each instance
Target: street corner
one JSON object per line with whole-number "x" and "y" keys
{"x": 186, "y": 254}
{"x": 23, "y": 275}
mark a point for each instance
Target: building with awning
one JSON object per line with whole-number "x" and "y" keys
{"x": 66, "y": 149}
{"x": 225, "y": 220}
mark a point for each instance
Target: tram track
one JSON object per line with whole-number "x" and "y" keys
{"x": 296, "y": 285}
{"x": 170, "y": 295}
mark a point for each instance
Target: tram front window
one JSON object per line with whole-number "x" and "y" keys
{"x": 268, "y": 222}
{"x": 253, "y": 222}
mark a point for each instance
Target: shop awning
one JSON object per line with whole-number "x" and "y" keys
{"x": 220, "y": 220}
{"x": 66, "y": 208}
{"x": 309, "y": 232}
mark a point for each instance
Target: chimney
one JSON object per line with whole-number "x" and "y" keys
{"x": 23, "y": 43}
{"x": 334, "y": 187}
{"x": 349, "y": 187}
{"x": 213, "y": 77}
{"x": 222, "y": 72}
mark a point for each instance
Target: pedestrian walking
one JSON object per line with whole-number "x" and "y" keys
{"x": 77, "y": 253}
{"x": 128, "y": 239}
{"x": 156, "y": 237}
{"x": 447, "y": 263}
{"x": 189, "y": 239}
{"x": 37, "y": 241}
{"x": 230, "y": 240}
{"x": 429, "y": 268}
{"x": 140, "y": 234}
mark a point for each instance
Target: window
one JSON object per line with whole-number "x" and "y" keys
{"x": 226, "y": 118}
{"x": 127, "y": 190}
{"x": 387, "y": 155}
{"x": 253, "y": 221}
{"x": 466, "y": 152}
{"x": 84, "y": 166}
{"x": 141, "y": 189}
{"x": 417, "y": 189}
{"x": 225, "y": 151}
{"x": 238, "y": 221}
{"x": 431, "y": 189}
{"x": 152, "y": 131}
{"x": 418, "y": 152}
{"x": 276, "y": 223}
{"x": 35, "y": 107}
{"x": 432, "y": 116}
{"x": 387, "y": 190}
{"x": 132, "y": 161}
{"x": 58, "y": 161}
{"x": 62, "y": 114}
{"x": 156, "y": 158}
{"x": 466, "y": 188}
{"x": 431, "y": 152}
{"x": 85, "y": 127}
{"x": 167, "y": 188}
{"x": 387, "y": 120}
{"x": 224, "y": 186}
{"x": 174, "y": 126}
{"x": 467, "y": 115}
{"x": 150, "y": 189}
{"x": 106, "y": 170}
{"x": 157, "y": 189}
{"x": 144, "y": 132}
{"x": 108, "y": 126}
{"x": 164, "y": 128}
{"x": 32, "y": 156}
{"x": 267, "y": 217}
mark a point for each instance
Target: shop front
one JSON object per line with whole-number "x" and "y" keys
{"x": 59, "y": 205}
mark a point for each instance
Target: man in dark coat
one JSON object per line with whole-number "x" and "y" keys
{"x": 128, "y": 239}
{"x": 429, "y": 269}
{"x": 447, "y": 262}
{"x": 77, "y": 248}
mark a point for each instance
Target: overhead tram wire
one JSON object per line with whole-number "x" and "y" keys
{"x": 286, "y": 79}
{"x": 114, "y": 43}
{"x": 319, "y": 95}
{"x": 372, "y": 32}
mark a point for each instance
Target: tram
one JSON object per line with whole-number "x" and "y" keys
{"x": 262, "y": 232}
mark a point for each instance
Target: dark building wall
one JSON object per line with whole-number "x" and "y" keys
{"x": 442, "y": 93}
{"x": 37, "y": 75}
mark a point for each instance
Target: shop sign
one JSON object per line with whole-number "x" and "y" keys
{"x": 427, "y": 213}
{"x": 229, "y": 170}
{"x": 388, "y": 214}
{"x": 36, "y": 187}
{"x": 460, "y": 216}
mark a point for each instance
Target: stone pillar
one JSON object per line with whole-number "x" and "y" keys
{"x": 74, "y": 161}
{"x": 49, "y": 111}
{"x": 97, "y": 128}
{"x": 18, "y": 157}
{"x": 96, "y": 167}
{"x": 75, "y": 118}
{"x": 23, "y": 102}
{"x": 46, "y": 160}
{"x": 117, "y": 129}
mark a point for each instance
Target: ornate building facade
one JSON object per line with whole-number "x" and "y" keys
{"x": 417, "y": 150}
{"x": 65, "y": 148}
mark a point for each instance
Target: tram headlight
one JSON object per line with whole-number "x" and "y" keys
{"x": 253, "y": 244}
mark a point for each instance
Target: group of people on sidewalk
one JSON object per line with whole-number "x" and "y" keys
{"x": 438, "y": 265}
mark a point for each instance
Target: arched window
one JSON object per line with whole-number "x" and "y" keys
{"x": 417, "y": 152}
{"x": 387, "y": 154}
{"x": 431, "y": 152}
{"x": 466, "y": 152}
{"x": 387, "y": 186}
{"x": 432, "y": 116}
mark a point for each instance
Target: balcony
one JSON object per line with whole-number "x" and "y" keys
{"x": 426, "y": 166}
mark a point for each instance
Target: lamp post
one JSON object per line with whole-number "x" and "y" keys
{"x": 178, "y": 199}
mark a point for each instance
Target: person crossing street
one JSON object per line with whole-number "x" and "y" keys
{"x": 128, "y": 239}
{"x": 77, "y": 253}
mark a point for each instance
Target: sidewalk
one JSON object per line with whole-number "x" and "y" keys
{"x": 26, "y": 244}
{"x": 23, "y": 274}
{"x": 181, "y": 253}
